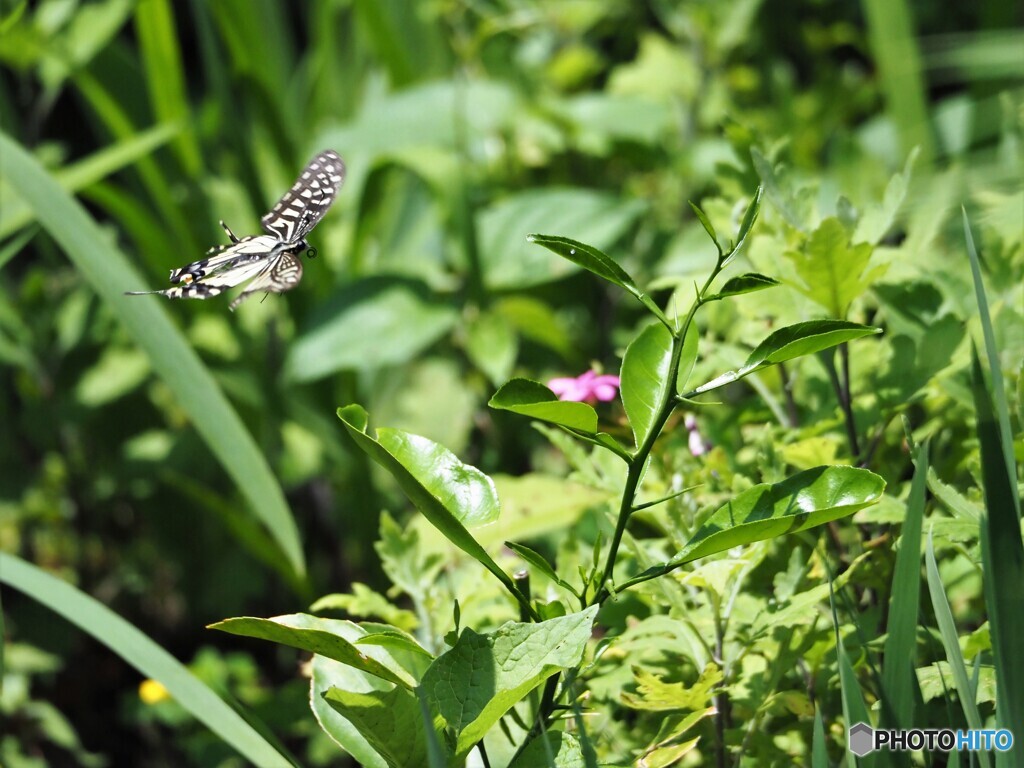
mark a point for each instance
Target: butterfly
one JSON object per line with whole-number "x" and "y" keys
{"x": 272, "y": 261}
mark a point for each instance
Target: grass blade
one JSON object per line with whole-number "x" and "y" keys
{"x": 898, "y": 678}
{"x": 111, "y": 274}
{"x": 141, "y": 652}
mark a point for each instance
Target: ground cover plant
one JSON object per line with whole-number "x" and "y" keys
{"x": 653, "y": 397}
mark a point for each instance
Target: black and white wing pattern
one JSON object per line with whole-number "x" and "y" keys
{"x": 280, "y": 275}
{"x": 270, "y": 261}
{"x": 302, "y": 206}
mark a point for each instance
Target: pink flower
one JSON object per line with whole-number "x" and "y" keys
{"x": 697, "y": 444}
{"x": 588, "y": 387}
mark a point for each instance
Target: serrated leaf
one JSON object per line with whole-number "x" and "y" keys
{"x": 745, "y": 283}
{"x": 833, "y": 271}
{"x": 320, "y": 636}
{"x": 533, "y": 399}
{"x": 598, "y": 262}
{"x": 790, "y": 342}
{"x": 552, "y": 749}
{"x": 799, "y": 502}
{"x": 655, "y": 695}
{"x": 367, "y": 603}
{"x": 446, "y": 491}
{"x": 483, "y": 676}
{"x": 645, "y": 378}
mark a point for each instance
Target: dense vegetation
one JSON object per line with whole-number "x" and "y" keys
{"x": 824, "y": 199}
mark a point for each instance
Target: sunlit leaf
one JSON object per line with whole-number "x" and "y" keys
{"x": 533, "y": 399}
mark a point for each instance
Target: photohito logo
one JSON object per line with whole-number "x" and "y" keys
{"x": 864, "y": 739}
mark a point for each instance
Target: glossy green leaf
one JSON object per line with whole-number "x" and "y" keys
{"x": 598, "y": 262}
{"x": 746, "y": 283}
{"x": 551, "y": 749}
{"x": 368, "y": 324}
{"x": 328, "y": 674}
{"x": 317, "y": 635}
{"x": 793, "y": 341}
{"x": 143, "y": 654}
{"x": 799, "y": 502}
{"x": 645, "y": 379}
{"x": 507, "y": 258}
{"x": 446, "y": 493}
{"x": 111, "y": 274}
{"x": 533, "y": 399}
{"x": 477, "y": 681}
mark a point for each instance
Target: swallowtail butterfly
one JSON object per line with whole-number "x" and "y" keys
{"x": 271, "y": 261}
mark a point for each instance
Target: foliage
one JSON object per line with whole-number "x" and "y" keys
{"x": 516, "y": 210}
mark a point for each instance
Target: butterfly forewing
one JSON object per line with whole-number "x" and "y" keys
{"x": 224, "y": 257}
{"x": 302, "y": 206}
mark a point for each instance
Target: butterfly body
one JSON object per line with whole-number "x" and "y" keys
{"x": 272, "y": 261}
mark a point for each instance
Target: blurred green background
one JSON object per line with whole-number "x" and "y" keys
{"x": 466, "y": 125}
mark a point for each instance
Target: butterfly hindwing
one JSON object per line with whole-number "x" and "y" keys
{"x": 282, "y": 274}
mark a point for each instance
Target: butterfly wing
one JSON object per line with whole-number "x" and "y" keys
{"x": 225, "y": 257}
{"x": 212, "y": 284}
{"x": 282, "y": 274}
{"x": 302, "y": 206}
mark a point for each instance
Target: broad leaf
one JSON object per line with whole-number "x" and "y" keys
{"x": 745, "y": 283}
{"x": 598, "y": 262}
{"x": 492, "y": 345}
{"x": 551, "y": 749}
{"x": 790, "y": 342}
{"x": 320, "y": 636}
{"x": 447, "y": 492}
{"x": 533, "y": 399}
{"x": 806, "y": 499}
{"x": 329, "y": 674}
{"x": 390, "y": 721}
{"x": 368, "y": 324}
{"x": 645, "y": 379}
{"x": 483, "y": 676}
{"x": 833, "y": 271}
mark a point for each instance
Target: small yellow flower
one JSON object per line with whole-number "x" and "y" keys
{"x": 152, "y": 692}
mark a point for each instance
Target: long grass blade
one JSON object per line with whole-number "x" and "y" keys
{"x": 141, "y": 652}
{"x": 111, "y": 274}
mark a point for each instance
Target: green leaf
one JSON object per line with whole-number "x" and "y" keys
{"x": 317, "y": 635}
{"x": 537, "y": 561}
{"x": 793, "y": 341}
{"x": 368, "y": 324}
{"x": 111, "y": 274}
{"x": 533, "y": 399}
{"x": 706, "y": 223}
{"x": 492, "y": 345}
{"x": 551, "y": 749}
{"x": 746, "y": 225}
{"x": 799, "y": 502}
{"x": 483, "y": 676}
{"x": 598, "y": 262}
{"x": 390, "y": 721}
{"x": 745, "y": 283}
{"x": 645, "y": 379}
{"x": 688, "y": 357}
{"x": 509, "y": 262}
{"x": 16, "y": 213}
{"x": 328, "y": 674}
{"x": 834, "y": 272}
{"x": 1002, "y": 553}
{"x": 143, "y": 654}
{"x": 445, "y": 490}
{"x": 877, "y": 219}
{"x": 898, "y": 680}
{"x": 951, "y": 643}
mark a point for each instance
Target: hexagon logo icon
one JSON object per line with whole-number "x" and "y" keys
{"x": 860, "y": 739}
